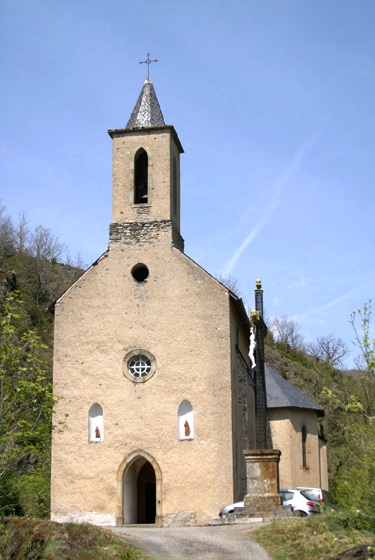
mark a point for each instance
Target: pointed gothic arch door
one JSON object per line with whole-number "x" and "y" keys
{"x": 141, "y": 490}
{"x": 146, "y": 494}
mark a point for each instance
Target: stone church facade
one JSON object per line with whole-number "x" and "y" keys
{"x": 150, "y": 359}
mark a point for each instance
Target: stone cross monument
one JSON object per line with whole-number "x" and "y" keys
{"x": 262, "y": 464}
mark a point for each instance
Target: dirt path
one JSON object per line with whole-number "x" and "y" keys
{"x": 203, "y": 543}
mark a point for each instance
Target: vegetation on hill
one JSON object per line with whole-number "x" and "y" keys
{"x": 25, "y": 539}
{"x": 33, "y": 275}
{"x": 31, "y": 278}
{"x": 330, "y": 536}
{"x": 348, "y": 398}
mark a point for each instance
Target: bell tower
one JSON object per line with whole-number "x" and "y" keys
{"x": 146, "y": 171}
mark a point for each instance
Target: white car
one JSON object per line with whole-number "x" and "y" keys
{"x": 318, "y": 495}
{"x": 300, "y": 502}
{"x": 230, "y": 509}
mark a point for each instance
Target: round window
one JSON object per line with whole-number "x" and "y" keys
{"x": 139, "y": 365}
{"x": 140, "y": 272}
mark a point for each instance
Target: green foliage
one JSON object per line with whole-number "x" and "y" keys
{"x": 354, "y": 477}
{"x": 363, "y": 339}
{"x": 33, "y": 489}
{"x": 354, "y": 521}
{"x": 31, "y": 279}
{"x": 26, "y": 402}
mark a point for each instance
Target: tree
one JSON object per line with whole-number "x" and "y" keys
{"x": 7, "y": 238}
{"x": 287, "y": 332}
{"x": 363, "y": 340}
{"x": 329, "y": 349}
{"x": 26, "y": 403}
{"x": 76, "y": 261}
{"x": 22, "y": 233}
{"x": 31, "y": 262}
{"x": 354, "y": 480}
{"x": 39, "y": 267}
{"x": 44, "y": 245}
{"x": 354, "y": 477}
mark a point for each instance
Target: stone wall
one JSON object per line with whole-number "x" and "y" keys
{"x": 286, "y": 427}
{"x": 143, "y": 233}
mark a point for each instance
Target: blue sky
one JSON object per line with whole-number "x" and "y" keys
{"x": 273, "y": 102}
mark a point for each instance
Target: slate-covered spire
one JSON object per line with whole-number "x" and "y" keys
{"x": 147, "y": 112}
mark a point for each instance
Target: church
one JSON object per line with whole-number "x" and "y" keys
{"x": 156, "y": 397}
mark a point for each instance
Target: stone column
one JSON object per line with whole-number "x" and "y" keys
{"x": 262, "y": 473}
{"x": 260, "y": 378}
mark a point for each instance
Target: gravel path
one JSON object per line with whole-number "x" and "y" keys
{"x": 201, "y": 543}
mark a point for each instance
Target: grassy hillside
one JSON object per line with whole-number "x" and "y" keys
{"x": 26, "y": 539}
{"x": 321, "y": 537}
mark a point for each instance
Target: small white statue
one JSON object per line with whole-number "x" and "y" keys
{"x": 252, "y": 347}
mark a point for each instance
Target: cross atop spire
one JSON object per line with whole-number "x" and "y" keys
{"x": 148, "y": 61}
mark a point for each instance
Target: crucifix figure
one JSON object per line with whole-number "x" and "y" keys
{"x": 253, "y": 345}
{"x": 148, "y": 61}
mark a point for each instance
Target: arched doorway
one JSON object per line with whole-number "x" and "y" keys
{"x": 140, "y": 490}
{"x": 146, "y": 494}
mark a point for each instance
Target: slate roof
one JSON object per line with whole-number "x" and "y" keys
{"x": 147, "y": 112}
{"x": 281, "y": 393}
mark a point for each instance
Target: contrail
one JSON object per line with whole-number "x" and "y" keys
{"x": 327, "y": 305}
{"x": 337, "y": 300}
{"x": 293, "y": 166}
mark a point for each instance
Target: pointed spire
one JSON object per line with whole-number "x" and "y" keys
{"x": 147, "y": 112}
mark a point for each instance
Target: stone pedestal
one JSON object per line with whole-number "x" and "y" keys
{"x": 262, "y": 472}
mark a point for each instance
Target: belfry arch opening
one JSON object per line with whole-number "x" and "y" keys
{"x": 141, "y": 496}
{"x": 141, "y": 177}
